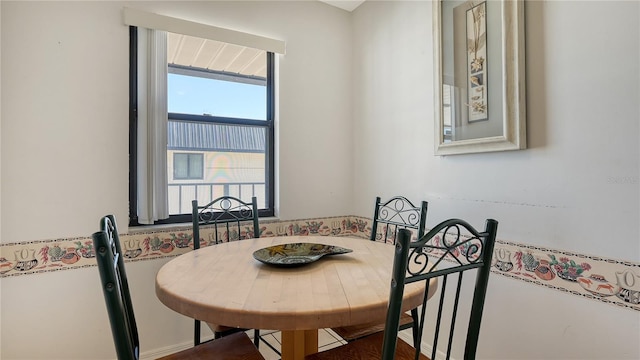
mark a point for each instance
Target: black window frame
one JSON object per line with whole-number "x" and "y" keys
{"x": 268, "y": 124}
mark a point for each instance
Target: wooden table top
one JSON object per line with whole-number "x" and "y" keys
{"x": 224, "y": 284}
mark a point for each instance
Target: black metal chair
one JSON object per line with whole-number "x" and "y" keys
{"x": 226, "y": 215}
{"x": 394, "y": 214}
{"x": 120, "y": 309}
{"x": 446, "y": 252}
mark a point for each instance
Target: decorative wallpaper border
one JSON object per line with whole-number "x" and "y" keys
{"x": 33, "y": 257}
{"x": 606, "y": 280}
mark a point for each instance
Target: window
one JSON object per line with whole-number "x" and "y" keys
{"x": 187, "y": 166}
{"x": 220, "y": 133}
{"x": 218, "y": 102}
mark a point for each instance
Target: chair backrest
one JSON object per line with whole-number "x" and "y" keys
{"x": 395, "y": 214}
{"x": 450, "y": 249}
{"x": 116, "y": 289}
{"x": 226, "y": 214}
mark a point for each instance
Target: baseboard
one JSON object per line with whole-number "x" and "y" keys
{"x": 168, "y": 350}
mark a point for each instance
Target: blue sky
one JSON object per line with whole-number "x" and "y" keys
{"x": 196, "y": 95}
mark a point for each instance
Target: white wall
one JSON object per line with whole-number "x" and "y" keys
{"x": 64, "y": 146}
{"x": 575, "y": 188}
{"x": 64, "y": 135}
{"x": 0, "y": 169}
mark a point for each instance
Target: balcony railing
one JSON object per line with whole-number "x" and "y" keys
{"x": 181, "y": 194}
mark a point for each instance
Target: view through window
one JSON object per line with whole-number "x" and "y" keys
{"x": 220, "y": 129}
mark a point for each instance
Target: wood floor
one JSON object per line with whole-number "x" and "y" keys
{"x": 327, "y": 339}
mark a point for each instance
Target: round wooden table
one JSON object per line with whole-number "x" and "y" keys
{"x": 223, "y": 284}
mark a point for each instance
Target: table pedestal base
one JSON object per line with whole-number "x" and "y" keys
{"x": 298, "y": 343}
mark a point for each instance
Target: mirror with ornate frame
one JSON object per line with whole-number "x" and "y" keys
{"x": 479, "y": 76}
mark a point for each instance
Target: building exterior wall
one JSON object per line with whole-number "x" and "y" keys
{"x": 239, "y": 174}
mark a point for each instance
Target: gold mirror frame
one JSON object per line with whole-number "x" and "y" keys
{"x": 511, "y": 89}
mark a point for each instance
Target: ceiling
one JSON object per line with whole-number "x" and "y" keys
{"x": 348, "y": 5}
{"x": 189, "y": 51}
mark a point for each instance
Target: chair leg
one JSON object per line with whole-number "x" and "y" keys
{"x": 414, "y": 328}
{"x": 256, "y": 338}
{"x": 196, "y": 333}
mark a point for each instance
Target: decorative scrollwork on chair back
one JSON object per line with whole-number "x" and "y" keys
{"x": 453, "y": 240}
{"x": 397, "y": 213}
{"x": 225, "y": 208}
{"x": 399, "y": 210}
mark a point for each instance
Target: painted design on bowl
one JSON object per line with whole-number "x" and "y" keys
{"x": 629, "y": 284}
{"x": 598, "y": 285}
{"x": 503, "y": 260}
{"x": 568, "y": 269}
{"x": 543, "y": 271}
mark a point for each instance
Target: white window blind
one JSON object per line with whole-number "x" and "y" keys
{"x": 152, "y": 126}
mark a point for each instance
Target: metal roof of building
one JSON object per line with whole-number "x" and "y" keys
{"x": 184, "y": 135}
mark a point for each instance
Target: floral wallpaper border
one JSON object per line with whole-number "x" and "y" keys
{"x": 606, "y": 280}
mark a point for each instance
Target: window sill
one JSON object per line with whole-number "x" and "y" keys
{"x": 177, "y": 226}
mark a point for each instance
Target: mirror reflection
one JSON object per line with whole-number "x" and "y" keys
{"x": 471, "y": 75}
